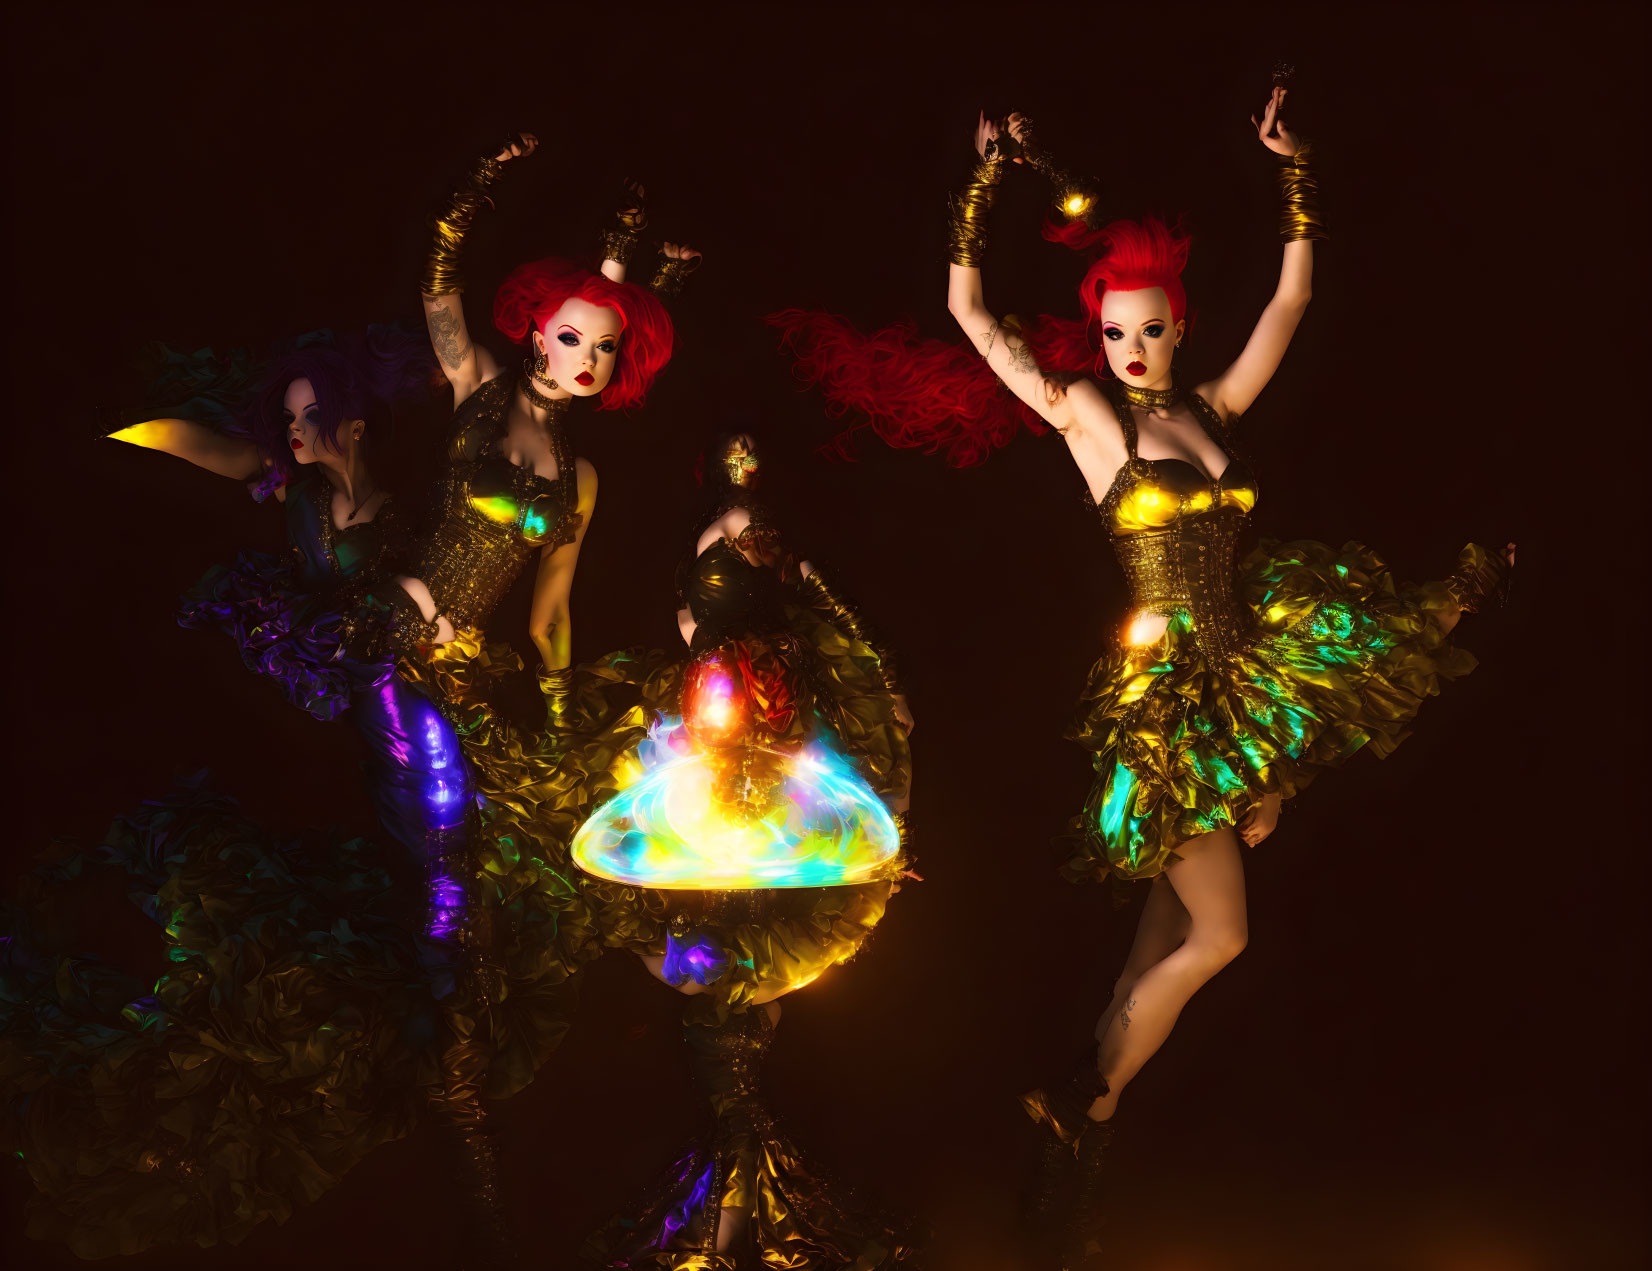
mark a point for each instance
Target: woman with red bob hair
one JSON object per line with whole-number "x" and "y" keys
{"x": 1234, "y": 682}
{"x": 512, "y": 493}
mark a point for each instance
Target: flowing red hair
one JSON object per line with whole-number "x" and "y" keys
{"x": 943, "y": 398}
{"x": 533, "y": 293}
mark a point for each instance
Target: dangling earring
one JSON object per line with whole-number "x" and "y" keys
{"x": 535, "y": 367}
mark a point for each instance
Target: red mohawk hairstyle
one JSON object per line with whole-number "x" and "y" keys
{"x": 944, "y": 399}
{"x": 1126, "y": 256}
{"x": 530, "y": 297}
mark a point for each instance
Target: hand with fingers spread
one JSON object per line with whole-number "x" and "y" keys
{"x": 1271, "y": 129}
{"x": 682, "y": 252}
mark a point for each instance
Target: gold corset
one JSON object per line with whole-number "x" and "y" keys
{"x": 1189, "y": 567}
{"x": 493, "y": 515}
{"x": 1176, "y": 532}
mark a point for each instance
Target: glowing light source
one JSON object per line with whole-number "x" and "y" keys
{"x": 1076, "y": 205}
{"x": 812, "y": 821}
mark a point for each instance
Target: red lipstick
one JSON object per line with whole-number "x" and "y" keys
{"x": 1136, "y": 368}
{"x": 297, "y": 444}
{"x": 584, "y": 379}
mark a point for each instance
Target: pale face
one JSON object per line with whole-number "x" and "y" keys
{"x": 1138, "y": 336}
{"x": 581, "y": 344}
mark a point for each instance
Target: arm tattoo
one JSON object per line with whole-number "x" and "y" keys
{"x": 1021, "y": 358}
{"x": 1124, "y": 1015}
{"x": 447, "y": 333}
{"x": 989, "y": 337}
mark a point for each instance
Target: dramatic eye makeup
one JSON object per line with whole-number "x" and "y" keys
{"x": 1154, "y": 331}
{"x": 1113, "y": 333}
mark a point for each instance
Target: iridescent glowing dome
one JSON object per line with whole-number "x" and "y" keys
{"x": 738, "y": 820}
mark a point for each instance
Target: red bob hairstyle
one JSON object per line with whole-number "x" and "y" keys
{"x": 943, "y": 398}
{"x": 530, "y": 297}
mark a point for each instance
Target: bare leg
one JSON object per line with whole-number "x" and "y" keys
{"x": 1209, "y": 881}
{"x": 1159, "y": 933}
{"x": 731, "y": 1223}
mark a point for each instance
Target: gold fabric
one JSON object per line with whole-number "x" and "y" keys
{"x": 1268, "y": 671}
{"x": 1175, "y": 533}
{"x": 797, "y": 1219}
{"x": 494, "y": 516}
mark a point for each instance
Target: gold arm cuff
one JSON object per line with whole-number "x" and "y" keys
{"x": 669, "y": 277}
{"x": 968, "y": 211}
{"x": 1299, "y": 216}
{"x": 449, "y": 226}
{"x": 620, "y": 243}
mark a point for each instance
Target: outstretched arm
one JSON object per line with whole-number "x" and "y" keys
{"x": 1003, "y": 348}
{"x": 442, "y": 286}
{"x": 1241, "y": 384}
{"x": 234, "y": 457}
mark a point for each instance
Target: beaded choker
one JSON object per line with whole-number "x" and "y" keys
{"x": 1150, "y": 396}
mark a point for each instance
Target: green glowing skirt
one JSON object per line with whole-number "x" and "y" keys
{"x": 1340, "y": 658}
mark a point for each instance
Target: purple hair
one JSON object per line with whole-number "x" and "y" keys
{"x": 353, "y": 376}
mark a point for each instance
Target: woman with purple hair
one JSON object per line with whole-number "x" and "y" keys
{"x": 305, "y": 436}
{"x": 287, "y": 1036}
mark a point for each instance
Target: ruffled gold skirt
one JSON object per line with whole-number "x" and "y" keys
{"x": 1340, "y": 658}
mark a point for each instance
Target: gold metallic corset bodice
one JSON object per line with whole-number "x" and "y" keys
{"x": 492, "y": 515}
{"x": 1176, "y": 532}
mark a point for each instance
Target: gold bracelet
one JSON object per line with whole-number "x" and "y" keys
{"x": 968, "y": 210}
{"x": 441, "y": 275}
{"x": 1299, "y": 216}
{"x": 668, "y": 278}
{"x": 620, "y": 244}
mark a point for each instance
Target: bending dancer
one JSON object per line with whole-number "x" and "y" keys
{"x": 772, "y": 813}
{"x": 1233, "y": 683}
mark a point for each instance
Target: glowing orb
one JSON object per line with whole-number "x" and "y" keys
{"x": 817, "y": 824}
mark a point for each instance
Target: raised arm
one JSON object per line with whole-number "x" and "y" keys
{"x": 442, "y": 285}
{"x": 619, "y": 241}
{"x": 1003, "y": 348}
{"x": 234, "y": 457}
{"x": 548, "y": 618}
{"x": 1235, "y": 389}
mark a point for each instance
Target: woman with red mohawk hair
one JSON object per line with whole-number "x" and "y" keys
{"x": 1234, "y": 682}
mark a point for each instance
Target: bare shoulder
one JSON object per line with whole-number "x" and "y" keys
{"x": 730, "y": 524}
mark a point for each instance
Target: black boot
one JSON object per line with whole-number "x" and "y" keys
{"x": 1082, "y": 1238}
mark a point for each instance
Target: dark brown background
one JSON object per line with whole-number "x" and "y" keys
{"x": 1426, "y": 1058}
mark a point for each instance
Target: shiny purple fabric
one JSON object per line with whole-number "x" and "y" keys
{"x": 285, "y": 634}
